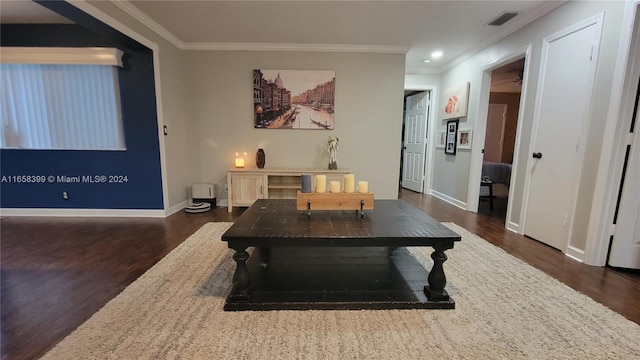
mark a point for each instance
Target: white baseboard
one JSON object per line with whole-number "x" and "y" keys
{"x": 511, "y": 226}
{"x": 94, "y": 212}
{"x": 83, "y": 212}
{"x": 174, "y": 209}
{"x": 449, "y": 199}
{"x": 575, "y": 253}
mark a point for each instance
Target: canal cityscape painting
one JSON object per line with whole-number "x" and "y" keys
{"x": 294, "y": 99}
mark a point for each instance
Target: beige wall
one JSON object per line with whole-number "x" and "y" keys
{"x": 172, "y": 111}
{"x": 206, "y": 104}
{"x": 568, "y": 14}
{"x": 179, "y": 176}
{"x": 368, "y": 115}
{"x": 421, "y": 81}
{"x": 451, "y": 173}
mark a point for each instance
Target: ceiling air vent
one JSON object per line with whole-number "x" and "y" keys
{"x": 503, "y": 18}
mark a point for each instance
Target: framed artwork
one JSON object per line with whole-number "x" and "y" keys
{"x": 456, "y": 101}
{"x": 464, "y": 139}
{"x": 441, "y": 139}
{"x": 451, "y": 137}
{"x": 293, "y": 99}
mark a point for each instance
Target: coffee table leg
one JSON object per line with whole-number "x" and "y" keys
{"x": 437, "y": 280}
{"x": 265, "y": 254}
{"x": 241, "y": 278}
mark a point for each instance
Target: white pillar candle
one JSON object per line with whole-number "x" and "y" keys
{"x": 321, "y": 183}
{"x": 363, "y": 187}
{"x": 349, "y": 183}
{"x": 335, "y": 187}
{"x": 239, "y": 161}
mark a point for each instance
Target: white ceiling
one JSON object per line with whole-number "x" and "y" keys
{"x": 458, "y": 28}
{"x": 27, "y": 12}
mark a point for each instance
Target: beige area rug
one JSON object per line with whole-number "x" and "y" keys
{"x": 505, "y": 309}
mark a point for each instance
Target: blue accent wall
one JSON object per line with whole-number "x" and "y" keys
{"x": 129, "y": 179}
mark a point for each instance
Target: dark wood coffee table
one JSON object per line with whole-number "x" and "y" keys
{"x": 336, "y": 259}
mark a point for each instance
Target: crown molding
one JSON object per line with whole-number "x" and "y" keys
{"x": 297, "y": 47}
{"x": 137, "y": 14}
{"x": 154, "y": 26}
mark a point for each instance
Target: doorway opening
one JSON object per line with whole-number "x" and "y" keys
{"x": 500, "y": 138}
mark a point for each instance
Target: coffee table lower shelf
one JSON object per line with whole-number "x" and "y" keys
{"x": 328, "y": 278}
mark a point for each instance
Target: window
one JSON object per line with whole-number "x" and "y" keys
{"x": 60, "y": 106}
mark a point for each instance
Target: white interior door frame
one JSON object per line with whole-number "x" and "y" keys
{"x": 623, "y": 92}
{"x": 431, "y": 135}
{"x": 597, "y": 21}
{"x": 480, "y": 127}
{"x": 625, "y": 246}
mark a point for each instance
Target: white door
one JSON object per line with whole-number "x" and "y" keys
{"x": 625, "y": 248}
{"x": 562, "y": 108}
{"x": 494, "y": 138}
{"x": 415, "y": 136}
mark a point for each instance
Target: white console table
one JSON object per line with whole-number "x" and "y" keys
{"x": 248, "y": 185}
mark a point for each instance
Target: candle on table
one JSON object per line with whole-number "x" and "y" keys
{"x": 363, "y": 187}
{"x": 335, "y": 186}
{"x": 349, "y": 183}
{"x": 321, "y": 183}
{"x": 306, "y": 183}
{"x": 239, "y": 161}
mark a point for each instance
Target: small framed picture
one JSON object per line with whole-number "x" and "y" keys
{"x": 464, "y": 139}
{"x": 441, "y": 139}
{"x": 457, "y": 101}
{"x": 451, "y": 137}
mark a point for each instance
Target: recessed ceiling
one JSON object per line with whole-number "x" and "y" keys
{"x": 28, "y": 12}
{"x": 417, "y": 28}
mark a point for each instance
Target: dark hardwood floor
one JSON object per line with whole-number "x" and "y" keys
{"x": 57, "y": 272}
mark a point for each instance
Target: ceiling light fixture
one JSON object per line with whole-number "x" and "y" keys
{"x": 426, "y": 61}
{"x": 436, "y": 54}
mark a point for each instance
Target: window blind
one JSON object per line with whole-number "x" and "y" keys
{"x": 46, "y": 106}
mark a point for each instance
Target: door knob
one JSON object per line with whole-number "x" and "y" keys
{"x": 537, "y": 155}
